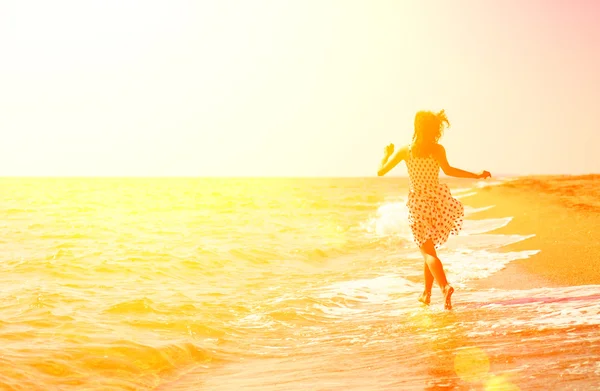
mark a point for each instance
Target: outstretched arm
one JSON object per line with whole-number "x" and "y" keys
{"x": 440, "y": 155}
{"x": 387, "y": 164}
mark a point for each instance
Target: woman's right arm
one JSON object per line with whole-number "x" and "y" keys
{"x": 387, "y": 164}
{"x": 440, "y": 155}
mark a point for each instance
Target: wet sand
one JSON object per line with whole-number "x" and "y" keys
{"x": 564, "y": 214}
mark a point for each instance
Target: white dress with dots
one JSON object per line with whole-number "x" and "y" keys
{"x": 432, "y": 211}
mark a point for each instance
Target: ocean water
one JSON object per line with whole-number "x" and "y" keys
{"x": 268, "y": 284}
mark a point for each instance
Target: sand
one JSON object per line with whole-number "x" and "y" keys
{"x": 564, "y": 214}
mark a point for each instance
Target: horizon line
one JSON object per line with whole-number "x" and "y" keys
{"x": 265, "y": 176}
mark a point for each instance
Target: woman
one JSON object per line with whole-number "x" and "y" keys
{"x": 433, "y": 213}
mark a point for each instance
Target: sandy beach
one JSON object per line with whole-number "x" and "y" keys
{"x": 564, "y": 214}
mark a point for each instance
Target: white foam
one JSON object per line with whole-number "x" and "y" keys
{"x": 482, "y": 184}
{"x": 469, "y": 210}
{"x": 391, "y": 219}
{"x": 338, "y": 311}
{"x": 473, "y": 265}
{"x": 539, "y": 308}
{"x": 255, "y": 321}
{"x": 464, "y": 264}
{"x": 483, "y": 242}
{"x": 468, "y": 256}
{"x": 461, "y": 190}
{"x": 472, "y": 227}
{"x": 459, "y": 196}
{"x": 372, "y": 290}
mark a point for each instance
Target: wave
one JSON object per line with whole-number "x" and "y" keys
{"x": 470, "y": 255}
{"x": 473, "y": 227}
{"x": 470, "y": 210}
{"x": 468, "y": 265}
{"x": 128, "y": 360}
{"x": 138, "y": 306}
{"x": 392, "y": 219}
{"x": 483, "y": 241}
{"x": 554, "y": 307}
{"x": 371, "y": 290}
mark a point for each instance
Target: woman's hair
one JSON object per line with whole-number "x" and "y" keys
{"x": 429, "y": 128}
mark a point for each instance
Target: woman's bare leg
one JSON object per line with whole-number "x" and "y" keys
{"x": 426, "y": 296}
{"x": 437, "y": 270}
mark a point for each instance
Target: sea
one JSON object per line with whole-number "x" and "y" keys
{"x": 269, "y": 284}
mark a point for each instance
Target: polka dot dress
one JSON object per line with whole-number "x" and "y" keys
{"x": 432, "y": 211}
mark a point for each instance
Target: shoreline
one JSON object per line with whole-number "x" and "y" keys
{"x": 564, "y": 214}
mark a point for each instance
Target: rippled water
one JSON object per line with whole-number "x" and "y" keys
{"x": 267, "y": 284}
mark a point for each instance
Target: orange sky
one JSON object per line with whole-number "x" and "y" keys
{"x": 298, "y": 88}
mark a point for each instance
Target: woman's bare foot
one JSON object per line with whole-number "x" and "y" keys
{"x": 425, "y": 298}
{"x": 448, "y": 291}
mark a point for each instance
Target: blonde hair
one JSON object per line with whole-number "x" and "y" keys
{"x": 429, "y": 128}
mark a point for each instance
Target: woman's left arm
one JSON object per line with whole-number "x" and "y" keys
{"x": 440, "y": 155}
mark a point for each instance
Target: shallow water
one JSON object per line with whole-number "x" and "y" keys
{"x": 267, "y": 284}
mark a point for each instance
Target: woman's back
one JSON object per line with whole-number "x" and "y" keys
{"x": 423, "y": 171}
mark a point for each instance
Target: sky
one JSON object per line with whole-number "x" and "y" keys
{"x": 295, "y": 88}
